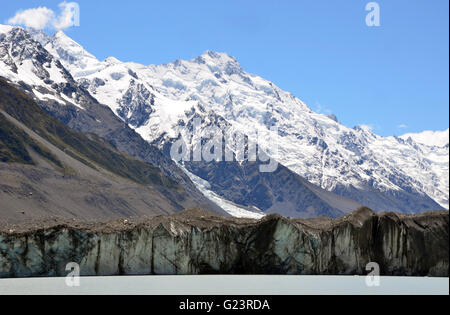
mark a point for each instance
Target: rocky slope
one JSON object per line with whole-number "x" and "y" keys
{"x": 28, "y": 66}
{"x": 47, "y": 169}
{"x": 197, "y": 242}
{"x": 385, "y": 173}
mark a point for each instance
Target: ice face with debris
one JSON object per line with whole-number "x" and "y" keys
{"x": 196, "y": 242}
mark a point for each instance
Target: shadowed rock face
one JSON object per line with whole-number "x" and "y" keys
{"x": 197, "y": 242}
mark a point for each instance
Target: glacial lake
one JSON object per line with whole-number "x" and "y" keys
{"x": 226, "y": 285}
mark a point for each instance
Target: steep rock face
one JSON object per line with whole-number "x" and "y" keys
{"x": 136, "y": 105}
{"x": 196, "y": 242}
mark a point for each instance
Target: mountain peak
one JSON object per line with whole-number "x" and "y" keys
{"x": 112, "y": 60}
{"x": 15, "y": 30}
{"x": 218, "y": 57}
{"x": 219, "y": 60}
{"x": 60, "y": 34}
{"x": 39, "y": 35}
{"x": 72, "y": 55}
{"x": 214, "y": 57}
{"x": 62, "y": 38}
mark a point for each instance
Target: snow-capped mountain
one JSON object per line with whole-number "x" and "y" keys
{"x": 383, "y": 173}
{"x": 25, "y": 61}
{"x": 393, "y": 174}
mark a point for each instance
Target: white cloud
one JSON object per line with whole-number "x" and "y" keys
{"x": 37, "y": 18}
{"x": 43, "y": 17}
{"x": 402, "y": 126}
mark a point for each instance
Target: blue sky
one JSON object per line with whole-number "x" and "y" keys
{"x": 321, "y": 51}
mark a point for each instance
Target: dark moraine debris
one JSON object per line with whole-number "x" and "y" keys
{"x": 199, "y": 242}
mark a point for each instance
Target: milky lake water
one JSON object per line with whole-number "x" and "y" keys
{"x": 226, "y": 285}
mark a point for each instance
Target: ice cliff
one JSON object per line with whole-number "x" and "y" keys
{"x": 196, "y": 242}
